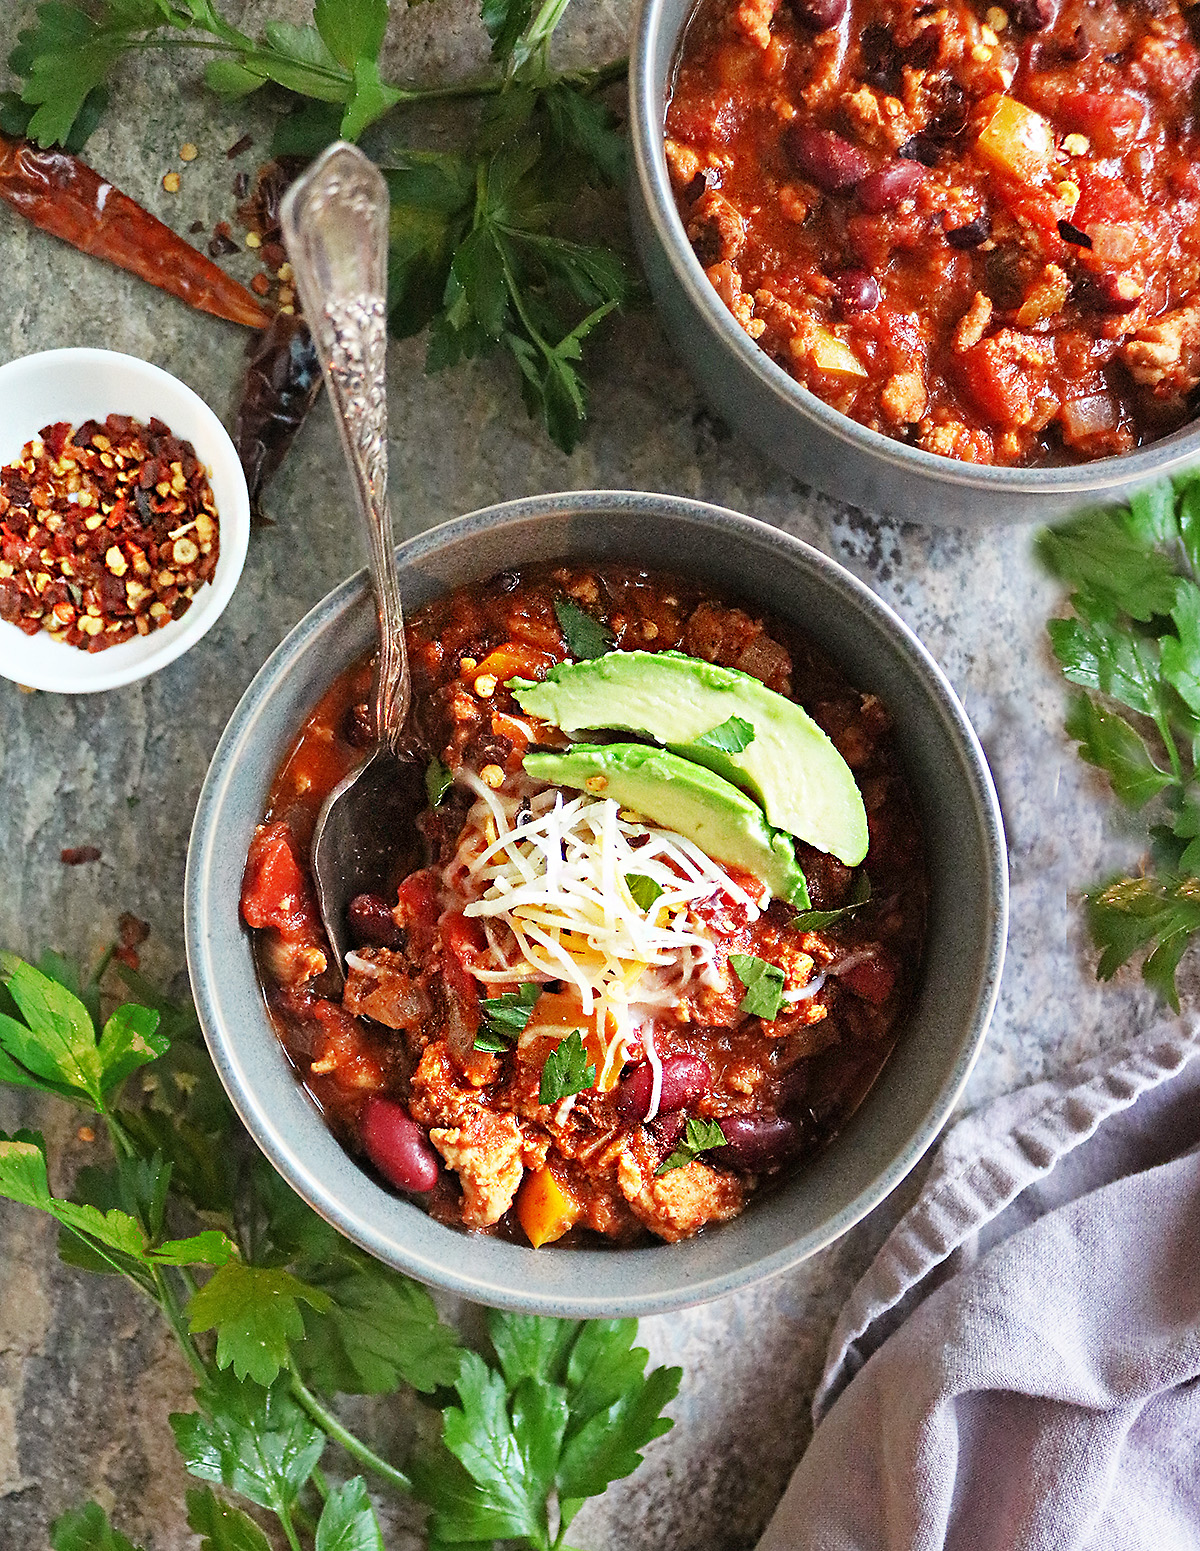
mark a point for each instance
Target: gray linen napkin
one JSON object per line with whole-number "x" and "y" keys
{"x": 1019, "y": 1369}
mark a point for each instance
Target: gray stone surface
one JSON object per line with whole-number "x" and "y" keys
{"x": 87, "y": 1376}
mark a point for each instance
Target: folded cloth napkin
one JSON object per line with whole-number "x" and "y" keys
{"x": 1019, "y": 1369}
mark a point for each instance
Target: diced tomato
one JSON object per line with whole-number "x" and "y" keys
{"x": 275, "y": 892}
{"x": 1110, "y": 120}
{"x": 464, "y": 941}
{"x": 873, "y": 979}
{"x": 417, "y": 910}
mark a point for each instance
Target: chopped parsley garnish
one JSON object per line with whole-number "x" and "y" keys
{"x": 698, "y": 1136}
{"x": 438, "y": 781}
{"x": 818, "y": 920}
{"x": 763, "y": 982}
{"x": 643, "y": 890}
{"x": 505, "y": 1017}
{"x": 567, "y": 1070}
{"x": 731, "y": 737}
{"x": 585, "y": 637}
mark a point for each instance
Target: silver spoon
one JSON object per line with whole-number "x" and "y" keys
{"x": 335, "y": 227}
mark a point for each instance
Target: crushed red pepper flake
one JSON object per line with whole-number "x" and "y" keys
{"x": 106, "y": 532}
{"x": 76, "y": 856}
{"x": 239, "y": 146}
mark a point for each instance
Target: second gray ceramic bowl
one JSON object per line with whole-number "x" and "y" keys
{"x": 791, "y": 425}
{"x": 743, "y": 560}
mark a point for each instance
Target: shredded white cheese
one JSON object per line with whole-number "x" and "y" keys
{"x": 655, "y": 1068}
{"x": 546, "y": 877}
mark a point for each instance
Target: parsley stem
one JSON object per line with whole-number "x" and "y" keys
{"x": 353, "y": 1446}
{"x": 284, "y": 1516}
{"x": 173, "y": 1315}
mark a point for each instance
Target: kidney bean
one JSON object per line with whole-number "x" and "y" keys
{"x": 398, "y": 1147}
{"x": 856, "y": 290}
{"x": 820, "y": 13}
{"x": 756, "y": 1142}
{"x": 825, "y": 158}
{"x": 883, "y": 190}
{"x": 684, "y": 1078}
{"x": 370, "y": 920}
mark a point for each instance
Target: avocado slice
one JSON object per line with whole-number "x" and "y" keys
{"x": 790, "y": 765}
{"x": 685, "y": 797}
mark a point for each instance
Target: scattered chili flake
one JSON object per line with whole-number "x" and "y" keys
{"x": 221, "y": 241}
{"x": 188, "y": 152}
{"x": 106, "y": 531}
{"x": 274, "y": 254}
{"x": 260, "y": 285}
{"x": 171, "y": 182}
{"x": 76, "y": 856}
{"x": 239, "y": 146}
{"x": 196, "y": 227}
{"x": 253, "y": 240}
{"x": 86, "y": 1134}
{"x": 241, "y": 185}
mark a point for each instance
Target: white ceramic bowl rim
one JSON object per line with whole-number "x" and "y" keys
{"x": 647, "y": 110}
{"x": 287, "y": 1126}
{"x": 88, "y": 383}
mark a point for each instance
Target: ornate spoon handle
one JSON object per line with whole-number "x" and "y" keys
{"x": 335, "y": 225}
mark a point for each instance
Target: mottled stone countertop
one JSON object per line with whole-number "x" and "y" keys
{"x": 87, "y": 1375}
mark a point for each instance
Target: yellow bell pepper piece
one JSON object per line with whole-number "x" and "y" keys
{"x": 833, "y": 356}
{"x": 1016, "y": 140}
{"x": 546, "y": 1208}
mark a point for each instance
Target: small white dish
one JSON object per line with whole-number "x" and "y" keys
{"x": 82, "y": 384}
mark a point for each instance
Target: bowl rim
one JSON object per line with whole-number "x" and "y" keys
{"x": 227, "y": 1050}
{"x": 82, "y": 673}
{"x": 1156, "y": 460}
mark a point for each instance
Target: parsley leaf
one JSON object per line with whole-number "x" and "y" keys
{"x": 115, "y": 1237}
{"x": 585, "y": 637}
{"x": 1111, "y": 743}
{"x": 763, "y": 982}
{"x": 88, "y": 1529}
{"x": 1162, "y": 914}
{"x": 1099, "y": 555}
{"x": 381, "y": 1330}
{"x": 255, "y": 1311}
{"x": 256, "y": 1441}
{"x": 731, "y": 737}
{"x": 644, "y": 891}
{"x": 820, "y": 920}
{"x": 224, "y": 1527}
{"x": 505, "y": 1017}
{"x": 348, "y": 1521}
{"x": 698, "y": 1137}
{"x": 567, "y": 1070}
{"x": 438, "y": 781}
{"x": 569, "y": 1411}
{"x": 49, "y": 1039}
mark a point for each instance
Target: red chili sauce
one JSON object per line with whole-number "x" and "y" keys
{"x": 392, "y": 1059}
{"x": 972, "y": 227}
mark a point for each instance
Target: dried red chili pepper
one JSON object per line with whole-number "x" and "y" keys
{"x": 282, "y": 384}
{"x": 63, "y": 196}
{"x": 78, "y": 856}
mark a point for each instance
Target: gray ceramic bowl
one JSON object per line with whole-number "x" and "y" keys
{"x": 791, "y": 425}
{"x": 914, "y": 1095}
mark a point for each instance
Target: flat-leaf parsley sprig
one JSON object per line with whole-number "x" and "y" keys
{"x": 278, "y": 1315}
{"x": 1132, "y": 645}
{"x": 480, "y": 251}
